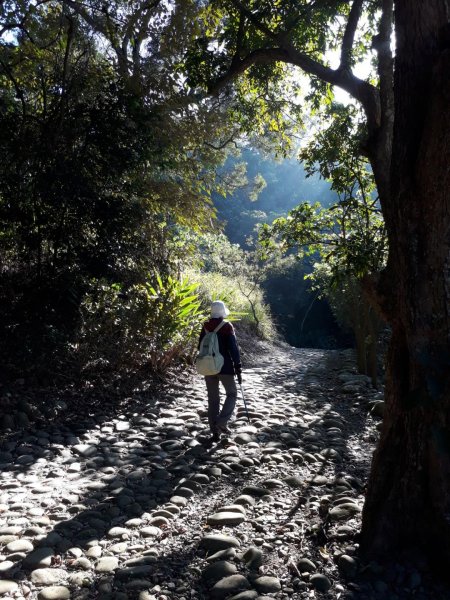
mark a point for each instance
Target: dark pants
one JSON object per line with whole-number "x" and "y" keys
{"x": 217, "y": 417}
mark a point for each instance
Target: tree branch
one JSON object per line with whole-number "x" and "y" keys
{"x": 362, "y": 91}
{"x": 349, "y": 34}
{"x": 253, "y": 19}
{"x": 223, "y": 145}
{"x": 101, "y": 25}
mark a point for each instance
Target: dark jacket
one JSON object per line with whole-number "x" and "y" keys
{"x": 227, "y": 345}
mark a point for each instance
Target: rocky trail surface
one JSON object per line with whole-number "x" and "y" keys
{"x": 133, "y": 506}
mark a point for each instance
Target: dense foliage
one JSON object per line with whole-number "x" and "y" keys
{"x": 146, "y": 326}
{"x": 348, "y": 236}
{"x": 99, "y": 167}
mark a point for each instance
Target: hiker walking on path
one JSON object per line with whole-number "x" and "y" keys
{"x": 229, "y": 350}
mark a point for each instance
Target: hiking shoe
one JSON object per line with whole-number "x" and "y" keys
{"x": 224, "y": 429}
{"x": 211, "y": 440}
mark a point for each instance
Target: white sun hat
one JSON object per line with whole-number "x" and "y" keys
{"x": 218, "y": 309}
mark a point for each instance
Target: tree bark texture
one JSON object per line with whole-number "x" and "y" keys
{"x": 408, "y": 497}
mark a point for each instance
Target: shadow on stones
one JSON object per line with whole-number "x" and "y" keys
{"x": 135, "y": 478}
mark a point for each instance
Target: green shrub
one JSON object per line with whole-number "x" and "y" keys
{"x": 151, "y": 324}
{"x": 243, "y": 298}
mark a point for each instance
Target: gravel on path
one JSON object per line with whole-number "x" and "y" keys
{"x": 133, "y": 506}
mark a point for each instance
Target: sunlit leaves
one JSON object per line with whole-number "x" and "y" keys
{"x": 350, "y": 235}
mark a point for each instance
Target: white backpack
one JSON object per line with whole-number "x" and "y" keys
{"x": 209, "y": 360}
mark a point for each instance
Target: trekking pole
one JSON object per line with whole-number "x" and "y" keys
{"x": 245, "y": 403}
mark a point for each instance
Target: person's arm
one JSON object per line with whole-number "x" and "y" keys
{"x": 235, "y": 356}
{"x": 202, "y": 335}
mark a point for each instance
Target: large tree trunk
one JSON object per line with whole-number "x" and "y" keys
{"x": 408, "y": 497}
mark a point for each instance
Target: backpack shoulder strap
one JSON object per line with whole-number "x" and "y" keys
{"x": 219, "y": 326}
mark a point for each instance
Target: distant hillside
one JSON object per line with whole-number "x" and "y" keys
{"x": 286, "y": 186}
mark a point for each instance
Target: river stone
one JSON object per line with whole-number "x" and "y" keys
{"x": 267, "y": 585}
{"x": 41, "y": 557}
{"x": 140, "y": 560}
{"x": 273, "y": 483}
{"x": 19, "y": 546}
{"x": 320, "y": 582}
{"x": 5, "y": 566}
{"x": 138, "y": 584}
{"x": 7, "y": 539}
{"x": 163, "y": 513}
{"x": 247, "y": 595}
{"x": 7, "y": 586}
{"x": 56, "y": 592}
{"x": 244, "y": 438}
{"x": 48, "y": 576}
{"x": 214, "y": 471}
{"x": 118, "y": 548}
{"x": 233, "y": 508}
{"x": 12, "y": 530}
{"x": 253, "y": 558}
{"x": 255, "y": 490}
{"x": 172, "y": 509}
{"x": 309, "y": 458}
{"x": 150, "y": 531}
{"x": 25, "y": 459}
{"x": 344, "y": 499}
{"x": 117, "y": 532}
{"x": 225, "y": 468}
{"x": 229, "y": 585}
{"x": 107, "y": 564}
{"x": 184, "y": 492}
{"x": 178, "y": 500}
{"x": 94, "y": 552}
{"x": 245, "y": 500}
{"x": 225, "y": 518}
{"x": 214, "y": 543}
{"x": 331, "y": 453}
{"x": 122, "y": 426}
{"x": 201, "y": 478}
{"x": 222, "y": 554}
{"x": 294, "y": 481}
{"x": 348, "y": 565}
{"x": 191, "y": 484}
{"x": 80, "y": 579}
{"x": 135, "y": 572}
{"x": 378, "y": 408}
{"x": 124, "y": 501}
{"x": 85, "y": 450}
{"x": 82, "y": 563}
{"x": 53, "y": 539}
{"x": 75, "y": 467}
{"x": 344, "y": 511}
{"x": 304, "y": 565}
{"x": 218, "y": 570}
{"x": 160, "y": 522}
{"x": 318, "y": 480}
